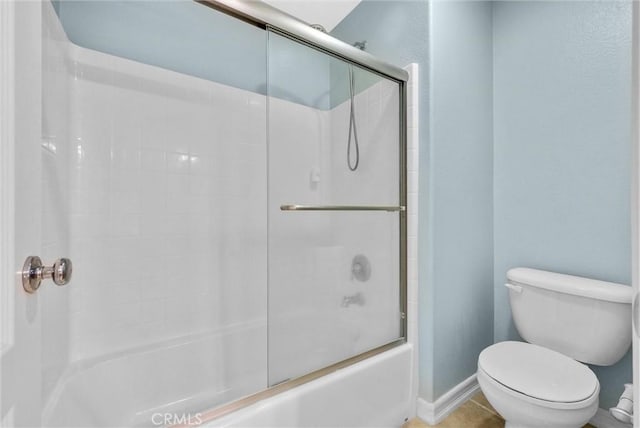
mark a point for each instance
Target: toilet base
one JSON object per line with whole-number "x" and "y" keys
{"x": 521, "y": 411}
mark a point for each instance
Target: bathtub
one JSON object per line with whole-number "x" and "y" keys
{"x": 375, "y": 392}
{"x": 175, "y": 383}
{"x": 179, "y": 376}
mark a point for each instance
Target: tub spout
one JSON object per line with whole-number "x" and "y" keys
{"x": 356, "y": 299}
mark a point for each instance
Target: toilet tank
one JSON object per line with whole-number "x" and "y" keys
{"x": 585, "y": 319}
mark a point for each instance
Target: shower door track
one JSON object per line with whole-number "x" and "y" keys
{"x": 269, "y": 18}
{"x": 262, "y": 15}
{"x": 234, "y": 406}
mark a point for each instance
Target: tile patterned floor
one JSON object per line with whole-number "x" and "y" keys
{"x": 475, "y": 413}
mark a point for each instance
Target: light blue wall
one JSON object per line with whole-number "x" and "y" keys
{"x": 187, "y": 37}
{"x": 182, "y": 36}
{"x": 455, "y": 171}
{"x": 460, "y": 207}
{"x": 562, "y": 88}
{"x": 298, "y": 73}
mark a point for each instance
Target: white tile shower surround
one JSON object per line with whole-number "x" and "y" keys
{"x": 164, "y": 173}
{"x": 413, "y": 156}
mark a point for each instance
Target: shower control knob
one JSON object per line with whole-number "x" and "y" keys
{"x": 33, "y": 272}
{"x": 360, "y": 268}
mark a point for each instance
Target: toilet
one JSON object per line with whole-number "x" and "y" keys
{"x": 567, "y": 322}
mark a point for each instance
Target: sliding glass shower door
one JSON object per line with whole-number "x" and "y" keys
{"x": 334, "y": 219}
{"x": 233, "y": 208}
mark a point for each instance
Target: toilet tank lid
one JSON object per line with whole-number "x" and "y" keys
{"x": 569, "y": 284}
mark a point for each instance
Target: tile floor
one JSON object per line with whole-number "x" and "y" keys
{"x": 475, "y": 413}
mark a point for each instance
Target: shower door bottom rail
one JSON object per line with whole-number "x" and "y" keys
{"x": 234, "y": 406}
{"x": 388, "y": 208}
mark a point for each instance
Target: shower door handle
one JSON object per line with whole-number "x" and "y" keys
{"x": 33, "y": 272}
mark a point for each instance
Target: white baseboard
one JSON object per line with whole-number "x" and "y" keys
{"x": 434, "y": 413}
{"x": 603, "y": 419}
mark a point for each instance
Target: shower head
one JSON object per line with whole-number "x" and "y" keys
{"x": 361, "y": 45}
{"x": 318, "y": 27}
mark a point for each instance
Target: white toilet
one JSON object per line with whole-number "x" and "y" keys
{"x": 567, "y": 321}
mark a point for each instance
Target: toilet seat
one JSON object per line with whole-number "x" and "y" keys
{"x": 539, "y": 375}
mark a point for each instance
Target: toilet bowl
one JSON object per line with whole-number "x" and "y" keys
{"x": 566, "y": 321}
{"x": 531, "y": 386}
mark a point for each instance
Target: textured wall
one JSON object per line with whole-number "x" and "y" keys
{"x": 460, "y": 192}
{"x": 562, "y": 148}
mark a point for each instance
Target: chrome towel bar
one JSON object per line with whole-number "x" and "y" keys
{"x": 342, "y": 208}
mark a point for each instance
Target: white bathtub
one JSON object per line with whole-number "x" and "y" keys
{"x": 180, "y": 376}
{"x": 177, "y": 383}
{"x": 373, "y": 393}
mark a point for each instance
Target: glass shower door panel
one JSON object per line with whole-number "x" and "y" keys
{"x": 165, "y": 219}
{"x": 333, "y": 290}
{"x": 334, "y": 287}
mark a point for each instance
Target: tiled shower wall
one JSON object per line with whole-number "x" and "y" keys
{"x": 169, "y": 193}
